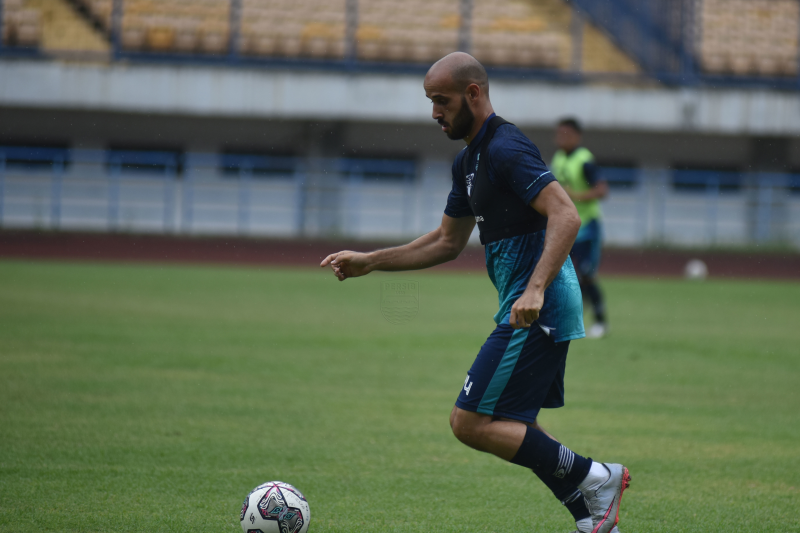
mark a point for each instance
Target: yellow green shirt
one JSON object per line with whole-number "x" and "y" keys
{"x": 568, "y": 170}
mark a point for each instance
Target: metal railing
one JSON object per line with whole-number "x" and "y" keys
{"x": 122, "y": 190}
{"x": 250, "y": 194}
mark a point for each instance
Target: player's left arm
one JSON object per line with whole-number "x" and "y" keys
{"x": 563, "y": 224}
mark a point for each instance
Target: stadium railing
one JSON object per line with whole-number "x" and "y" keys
{"x": 57, "y": 188}
{"x": 130, "y": 190}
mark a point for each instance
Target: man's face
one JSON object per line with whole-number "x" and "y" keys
{"x": 450, "y": 109}
{"x": 567, "y": 138}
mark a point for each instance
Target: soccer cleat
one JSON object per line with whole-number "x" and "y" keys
{"x": 604, "y": 501}
{"x": 597, "y": 331}
{"x": 584, "y": 525}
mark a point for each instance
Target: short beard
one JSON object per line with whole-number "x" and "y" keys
{"x": 463, "y": 121}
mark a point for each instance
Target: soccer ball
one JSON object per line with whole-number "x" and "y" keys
{"x": 696, "y": 269}
{"x": 275, "y": 507}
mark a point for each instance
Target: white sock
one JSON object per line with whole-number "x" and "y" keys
{"x": 584, "y": 525}
{"x": 598, "y": 474}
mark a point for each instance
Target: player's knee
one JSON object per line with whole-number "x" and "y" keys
{"x": 466, "y": 428}
{"x": 463, "y": 433}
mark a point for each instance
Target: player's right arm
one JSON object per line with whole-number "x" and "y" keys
{"x": 439, "y": 246}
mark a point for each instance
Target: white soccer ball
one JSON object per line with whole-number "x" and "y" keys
{"x": 275, "y": 507}
{"x": 696, "y": 270}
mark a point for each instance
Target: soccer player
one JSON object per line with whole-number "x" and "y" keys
{"x": 576, "y": 171}
{"x": 528, "y": 224}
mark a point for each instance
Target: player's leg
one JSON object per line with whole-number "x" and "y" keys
{"x": 598, "y": 301}
{"x": 509, "y": 382}
{"x": 520, "y": 444}
{"x": 568, "y": 494}
{"x": 585, "y": 254}
{"x": 589, "y": 278}
{"x": 516, "y": 373}
{"x": 487, "y": 434}
{"x": 570, "y": 476}
{"x": 594, "y": 294}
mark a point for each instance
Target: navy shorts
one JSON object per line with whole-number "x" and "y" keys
{"x": 517, "y": 373}
{"x": 585, "y": 252}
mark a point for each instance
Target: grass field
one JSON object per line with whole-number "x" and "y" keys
{"x": 153, "y": 398}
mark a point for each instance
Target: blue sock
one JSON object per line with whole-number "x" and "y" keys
{"x": 569, "y": 496}
{"x": 551, "y": 459}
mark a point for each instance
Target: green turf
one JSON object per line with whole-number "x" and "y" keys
{"x": 153, "y": 398}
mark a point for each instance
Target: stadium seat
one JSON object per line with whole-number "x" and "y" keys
{"x": 192, "y": 26}
{"x": 749, "y": 37}
{"x": 300, "y": 28}
{"x": 406, "y": 32}
{"x": 734, "y": 37}
{"x": 54, "y": 26}
{"x": 537, "y": 33}
{"x": 22, "y": 24}
{"x": 102, "y": 9}
{"x": 525, "y": 33}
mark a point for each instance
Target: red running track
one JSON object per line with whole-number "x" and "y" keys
{"x": 252, "y": 251}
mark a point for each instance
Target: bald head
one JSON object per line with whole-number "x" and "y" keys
{"x": 459, "y": 70}
{"x": 458, "y": 88}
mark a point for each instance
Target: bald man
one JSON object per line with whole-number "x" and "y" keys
{"x": 528, "y": 224}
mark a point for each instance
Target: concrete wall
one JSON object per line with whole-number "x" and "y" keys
{"x": 100, "y": 130}
{"x": 196, "y": 108}
{"x": 323, "y": 96}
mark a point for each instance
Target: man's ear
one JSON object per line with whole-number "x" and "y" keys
{"x": 473, "y": 92}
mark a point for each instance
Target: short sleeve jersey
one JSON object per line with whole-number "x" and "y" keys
{"x": 514, "y": 162}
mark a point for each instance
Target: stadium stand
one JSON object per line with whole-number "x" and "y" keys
{"x": 64, "y": 29}
{"x": 518, "y": 33}
{"x": 601, "y": 54}
{"x": 732, "y": 38}
{"x": 100, "y": 10}
{"x": 521, "y": 33}
{"x": 418, "y": 31}
{"x": 22, "y": 26}
{"x": 51, "y": 25}
{"x": 293, "y": 28}
{"x": 537, "y": 33}
{"x": 176, "y": 25}
{"x": 749, "y": 37}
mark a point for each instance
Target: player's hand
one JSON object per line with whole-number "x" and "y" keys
{"x": 525, "y": 310}
{"x": 348, "y": 264}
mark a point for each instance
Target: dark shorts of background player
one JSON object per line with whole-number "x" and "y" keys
{"x": 517, "y": 373}
{"x": 587, "y": 249}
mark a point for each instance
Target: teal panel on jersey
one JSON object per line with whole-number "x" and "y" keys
{"x": 510, "y": 263}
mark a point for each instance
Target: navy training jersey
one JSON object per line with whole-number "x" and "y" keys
{"x": 514, "y": 162}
